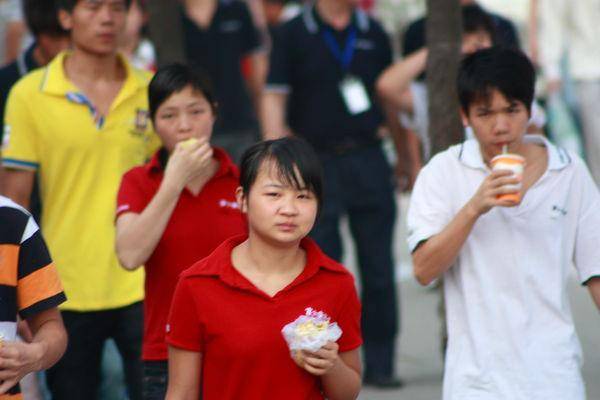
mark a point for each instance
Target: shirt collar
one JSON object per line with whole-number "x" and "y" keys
{"x": 219, "y": 265}
{"x": 56, "y": 82}
{"x": 469, "y": 153}
{"x": 226, "y": 165}
{"x": 312, "y": 20}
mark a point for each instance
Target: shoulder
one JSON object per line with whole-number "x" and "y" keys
{"x": 135, "y": 174}
{"x": 445, "y": 159}
{"x": 30, "y": 83}
{"x": 13, "y": 221}
{"x": 234, "y": 7}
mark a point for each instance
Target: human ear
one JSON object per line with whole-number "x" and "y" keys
{"x": 241, "y": 199}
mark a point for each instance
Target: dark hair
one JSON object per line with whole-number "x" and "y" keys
{"x": 69, "y": 5}
{"x": 475, "y": 19}
{"x": 295, "y": 160}
{"x": 507, "y": 70}
{"x": 41, "y": 17}
{"x": 173, "y": 78}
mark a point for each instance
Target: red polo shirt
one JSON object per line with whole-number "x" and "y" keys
{"x": 197, "y": 226}
{"x": 237, "y": 327}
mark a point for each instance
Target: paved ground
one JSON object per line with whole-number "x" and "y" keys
{"x": 420, "y": 362}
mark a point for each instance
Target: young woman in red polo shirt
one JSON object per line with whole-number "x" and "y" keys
{"x": 176, "y": 209}
{"x": 224, "y": 331}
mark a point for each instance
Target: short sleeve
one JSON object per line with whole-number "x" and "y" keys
{"x": 38, "y": 285}
{"x": 349, "y": 322}
{"x": 587, "y": 250}
{"x": 279, "y": 76}
{"x": 20, "y": 147}
{"x": 184, "y": 329}
{"x": 131, "y": 196}
{"x": 429, "y": 210}
{"x": 250, "y": 34}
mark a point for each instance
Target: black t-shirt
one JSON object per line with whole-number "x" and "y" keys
{"x": 303, "y": 66}
{"x": 414, "y": 37}
{"x": 218, "y": 50}
{"x": 9, "y": 75}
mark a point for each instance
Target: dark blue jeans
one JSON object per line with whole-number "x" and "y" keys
{"x": 359, "y": 184}
{"x": 156, "y": 374}
{"x": 77, "y": 375}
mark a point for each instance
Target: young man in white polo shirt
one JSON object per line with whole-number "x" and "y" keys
{"x": 505, "y": 266}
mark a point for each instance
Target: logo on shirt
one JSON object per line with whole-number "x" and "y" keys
{"x": 6, "y": 137}
{"x": 364, "y": 44}
{"x": 141, "y": 120}
{"x": 231, "y": 26}
{"x": 229, "y": 204}
{"x": 558, "y": 211}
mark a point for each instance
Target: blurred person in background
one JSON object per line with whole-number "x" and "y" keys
{"x": 50, "y": 39}
{"x": 12, "y": 30}
{"x": 320, "y": 87}
{"x": 505, "y": 33}
{"x": 571, "y": 28}
{"x": 177, "y": 208}
{"x": 81, "y": 122}
{"x": 218, "y": 35}
{"x": 135, "y": 45}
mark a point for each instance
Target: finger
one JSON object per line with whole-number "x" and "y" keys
{"x": 7, "y": 385}
{"x": 499, "y": 173}
{"x": 314, "y": 371}
{"x": 8, "y": 374}
{"x": 331, "y": 346}
{"x": 318, "y": 362}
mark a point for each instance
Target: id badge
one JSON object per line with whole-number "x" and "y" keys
{"x": 355, "y": 95}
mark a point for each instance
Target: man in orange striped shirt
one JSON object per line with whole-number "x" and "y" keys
{"x": 31, "y": 289}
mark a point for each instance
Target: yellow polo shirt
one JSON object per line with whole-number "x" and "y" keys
{"x": 80, "y": 158}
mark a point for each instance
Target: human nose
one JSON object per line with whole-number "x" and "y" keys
{"x": 184, "y": 123}
{"x": 501, "y": 123}
{"x": 288, "y": 205}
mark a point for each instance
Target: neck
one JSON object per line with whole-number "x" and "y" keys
{"x": 199, "y": 4}
{"x": 335, "y": 12}
{"x": 93, "y": 67}
{"x": 40, "y": 57}
{"x": 266, "y": 257}
{"x": 129, "y": 46}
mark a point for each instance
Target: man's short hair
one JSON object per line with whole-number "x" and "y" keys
{"x": 476, "y": 19}
{"x": 41, "y": 17}
{"x": 69, "y": 5}
{"x": 507, "y": 70}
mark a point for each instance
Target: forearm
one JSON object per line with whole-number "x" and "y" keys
{"x": 256, "y": 81}
{"x": 396, "y": 79}
{"x": 594, "y": 288}
{"x": 52, "y": 342}
{"x": 437, "y": 254}
{"x": 342, "y": 382}
{"x": 399, "y": 135}
{"x": 273, "y": 115}
{"x": 17, "y": 185}
{"x": 137, "y": 240}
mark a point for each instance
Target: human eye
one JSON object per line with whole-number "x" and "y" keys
{"x": 118, "y": 6}
{"x": 305, "y": 195}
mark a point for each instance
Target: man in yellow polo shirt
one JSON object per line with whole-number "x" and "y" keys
{"x": 81, "y": 122}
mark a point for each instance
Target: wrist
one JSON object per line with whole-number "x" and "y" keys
{"x": 38, "y": 353}
{"x": 472, "y": 211}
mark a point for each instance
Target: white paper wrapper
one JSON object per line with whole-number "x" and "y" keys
{"x": 310, "y": 331}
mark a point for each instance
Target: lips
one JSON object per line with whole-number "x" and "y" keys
{"x": 287, "y": 226}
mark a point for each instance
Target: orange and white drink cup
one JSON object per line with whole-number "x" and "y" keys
{"x": 516, "y": 164}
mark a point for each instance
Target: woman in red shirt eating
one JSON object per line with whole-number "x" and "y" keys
{"x": 176, "y": 209}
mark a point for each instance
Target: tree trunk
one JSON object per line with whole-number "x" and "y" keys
{"x": 165, "y": 31}
{"x": 443, "y": 30}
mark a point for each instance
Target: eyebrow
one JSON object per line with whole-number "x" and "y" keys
{"x": 279, "y": 186}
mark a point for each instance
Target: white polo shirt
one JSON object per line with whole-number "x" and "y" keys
{"x": 511, "y": 334}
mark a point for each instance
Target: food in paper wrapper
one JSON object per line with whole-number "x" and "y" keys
{"x": 310, "y": 331}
